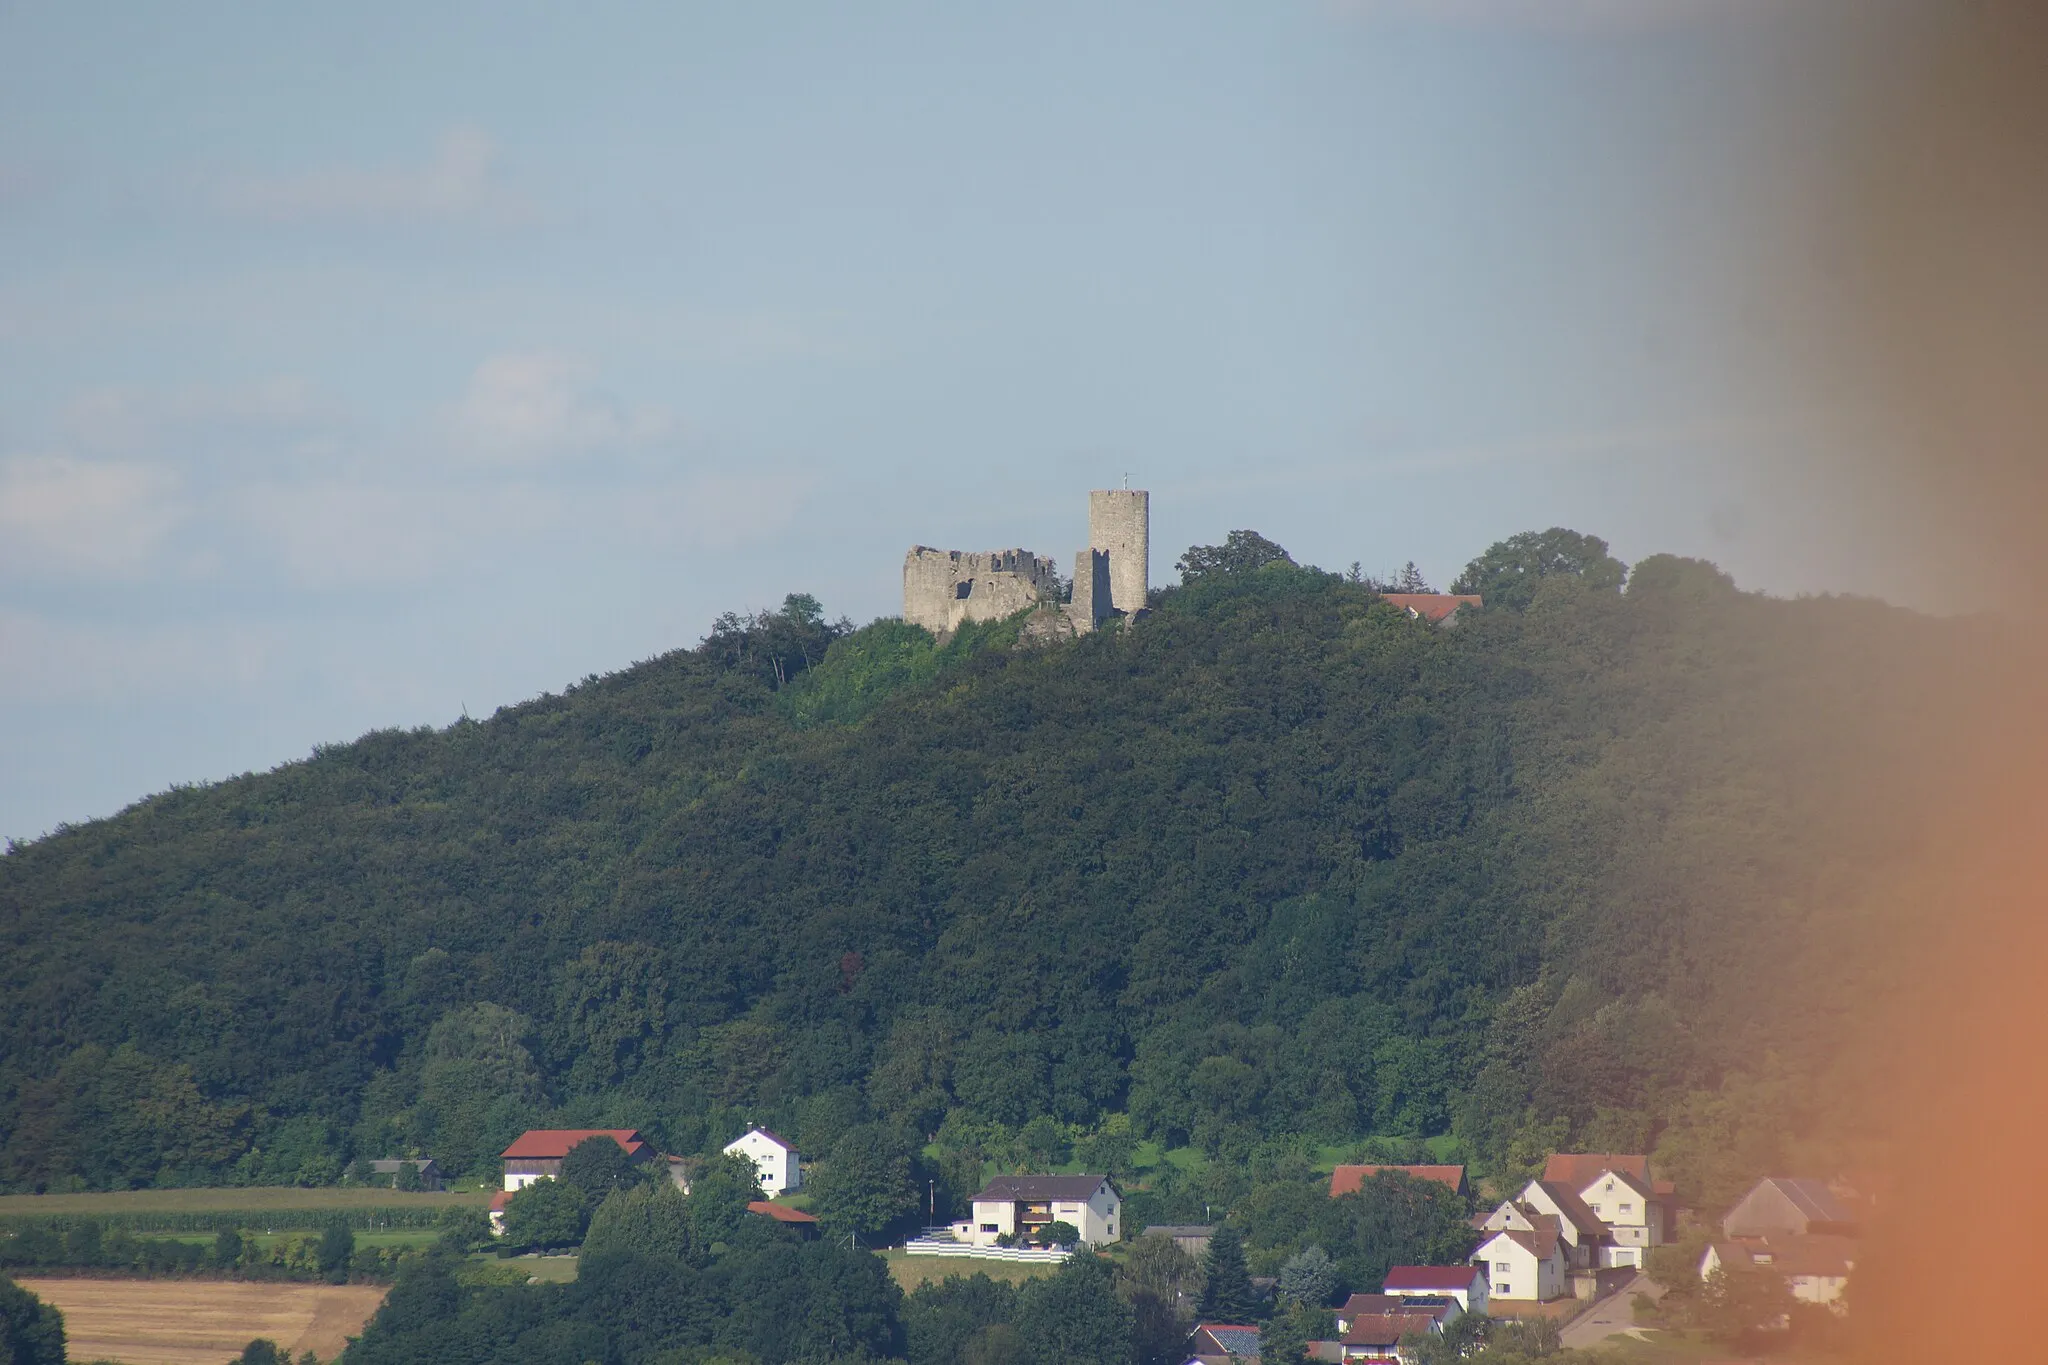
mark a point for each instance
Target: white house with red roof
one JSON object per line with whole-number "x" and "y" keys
{"x": 1547, "y": 1203}
{"x": 1466, "y": 1284}
{"x": 1618, "y": 1189}
{"x": 775, "y": 1160}
{"x": 537, "y": 1153}
{"x": 1524, "y": 1266}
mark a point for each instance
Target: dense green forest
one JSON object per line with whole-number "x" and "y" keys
{"x": 1272, "y": 866}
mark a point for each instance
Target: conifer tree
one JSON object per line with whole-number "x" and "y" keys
{"x": 1227, "y": 1296}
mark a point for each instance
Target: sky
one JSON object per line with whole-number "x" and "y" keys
{"x": 365, "y": 366}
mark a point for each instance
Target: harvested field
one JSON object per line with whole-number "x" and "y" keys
{"x": 203, "y": 1322}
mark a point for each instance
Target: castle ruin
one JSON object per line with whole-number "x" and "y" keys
{"x": 943, "y": 589}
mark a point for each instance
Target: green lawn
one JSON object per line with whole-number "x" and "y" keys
{"x": 250, "y": 1199}
{"x": 546, "y": 1269}
{"x": 912, "y": 1271}
{"x": 1685, "y": 1348}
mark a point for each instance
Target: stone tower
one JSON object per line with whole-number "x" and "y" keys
{"x": 1120, "y": 525}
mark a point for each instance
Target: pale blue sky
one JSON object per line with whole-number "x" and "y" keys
{"x": 363, "y": 363}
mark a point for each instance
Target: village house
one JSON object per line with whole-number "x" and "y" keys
{"x": 1217, "y": 1342}
{"x": 1464, "y": 1285}
{"x": 1544, "y": 1205}
{"x": 1789, "y": 1206}
{"x": 1377, "y": 1336}
{"x": 1635, "y": 1211}
{"x": 1189, "y": 1237}
{"x": 1437, "y": 608}
{"x": 1814, "y": 1267}
{"x": 1020, "y": 1206}
{"x": 1524, "y": 1266}
{"x": 426, "y": 1168}
{"x": 1637, "y": 1218}
{"x": 796, "y": 1220}
{"x": 1441, "y": 1307}
{"x": 774, "y": 1158}
{"x": 1350, "y": 1179}
{"x": 537, "y": 1153}
{"x": 1796, "y": 1227}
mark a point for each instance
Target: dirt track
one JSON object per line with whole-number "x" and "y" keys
{"x": 202, "y": 1322}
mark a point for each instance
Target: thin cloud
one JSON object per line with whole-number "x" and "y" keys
{"x": 458, "y": 182}
{"x": 93, "y": 518}
{"x": 123, "y": 420}
{"x": 540, "y": 406}
{"x": 43, "y": 660}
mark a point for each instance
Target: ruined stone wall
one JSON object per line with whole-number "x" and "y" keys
{"x": 943, "y": 588}
{"x": 1120, "y": 523}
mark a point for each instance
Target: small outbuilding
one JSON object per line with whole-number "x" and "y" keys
{"x": 429, "y": 1173}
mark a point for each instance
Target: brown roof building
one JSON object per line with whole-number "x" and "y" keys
{"x": 1350, "y": 1179}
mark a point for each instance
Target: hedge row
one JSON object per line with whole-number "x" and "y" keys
{"x": 359, "y": 1219}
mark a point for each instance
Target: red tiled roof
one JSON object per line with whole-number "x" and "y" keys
{"x": 1430, "y": 1277}
{"x": 1350, "y": 1179}
{"x": 552, "y": 1144}
{"x": 781, "y": 1213}
{"x": 500, "y": 1200}
{"x": 1432, "y": 606}
{"x": 1580, "y": 1169}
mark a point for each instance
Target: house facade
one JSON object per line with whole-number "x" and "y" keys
{"x": 1523, "y": 1267}
{"x": 537, "y": 1153}
{"x": 1636, "y": 1218}
{"x": 1020, "y": 1206}
{"x": 1546, "y": 1203}
{"x": 1464, "y": 1285}
{"x": 775, "y": 1160}
{"x": 1789, "y": 1206}
{"x": 1815, "y": 1267}
{"x": 1192, "y": 1238}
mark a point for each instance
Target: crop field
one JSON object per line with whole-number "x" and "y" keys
{"x": 202, "y": 1322}
{"x": 248, "y": 1199}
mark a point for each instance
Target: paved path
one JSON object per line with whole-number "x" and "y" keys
{"x": 1611, "y": 1316}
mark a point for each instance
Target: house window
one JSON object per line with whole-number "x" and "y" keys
{"x": 1504, "y": 1268}
{"x": 1628, "y": 1208}
{"x": 1505, "y": 1291}
{"x": 990, "y": 1227}
{"x": 1594, "y": 1207}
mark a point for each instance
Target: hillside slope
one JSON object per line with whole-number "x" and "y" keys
{"x": 1277, "y": 860}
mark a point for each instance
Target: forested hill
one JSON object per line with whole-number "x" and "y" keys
{"x": 1274, "y": 862}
